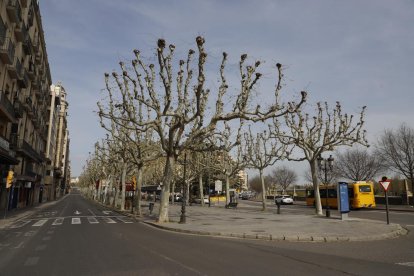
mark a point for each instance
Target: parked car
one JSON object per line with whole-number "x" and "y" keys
{"x": 285, "y": 199}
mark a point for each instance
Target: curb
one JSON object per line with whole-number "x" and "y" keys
{"x": 290, "y": 238}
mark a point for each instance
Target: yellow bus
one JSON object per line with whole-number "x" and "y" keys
{"x": 361, "y": 195}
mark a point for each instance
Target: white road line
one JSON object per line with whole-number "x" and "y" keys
{"x": 20, "y": 245}
{"x": 124, "y": 220}
{"x": 407, "y": 264}
{"x": 40, "y": 223}
{"x": 91, "y": 212}
{"x": 109, "y": 220}
{"x": 410, "y": 225}
{"x": 76, "y": 221}
{"x": 20, "y": 224}
{"x": 31, "y": 261}
{"x": 29, "y": 234}
{"x": 92, "y": 220}
{"x": 58, "y": 221}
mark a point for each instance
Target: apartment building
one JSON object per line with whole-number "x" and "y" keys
{"x": 25, "y": 106}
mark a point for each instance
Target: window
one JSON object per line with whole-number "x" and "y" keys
{"x": 365, "y": 189}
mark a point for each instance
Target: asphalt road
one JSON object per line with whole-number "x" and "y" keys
{"x": 77, "y": 237}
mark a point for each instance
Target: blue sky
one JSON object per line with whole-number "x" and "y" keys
{"x": 356, "y": 52}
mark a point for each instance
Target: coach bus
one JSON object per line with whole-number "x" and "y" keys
{"x": 361, "y": 195}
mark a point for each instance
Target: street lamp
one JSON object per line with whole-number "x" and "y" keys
{"x": 326, "y": 165}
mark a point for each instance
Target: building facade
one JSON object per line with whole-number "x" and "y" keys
{"x": 25, "y": 101}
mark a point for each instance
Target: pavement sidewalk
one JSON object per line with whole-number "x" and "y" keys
{"x": 251, "y": 223}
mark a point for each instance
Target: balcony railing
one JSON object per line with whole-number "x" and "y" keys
{"x": 21, "y": 32}
{"x": 24, "y": 79}
{"x": 7, "y": 51}
{"x": 3, "y": 31}
{"x": 27, "y": 45}
{"x": 32, "y": 70}
{"x": 6, "y": 107}
{"x": 22, "y": 147}
{"x": 18, "y": 108}
{"x": 14, "y": 11}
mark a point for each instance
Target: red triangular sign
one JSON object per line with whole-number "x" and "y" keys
{"x": 385, "y": 184}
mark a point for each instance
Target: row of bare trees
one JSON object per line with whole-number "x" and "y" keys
{"x": 155, "y": 112}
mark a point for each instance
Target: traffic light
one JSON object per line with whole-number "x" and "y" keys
{"x": 9, "y": 179}
{"x": 134, "y": 182}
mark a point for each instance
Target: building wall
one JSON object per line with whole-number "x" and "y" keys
{"x": 27, "y": 142}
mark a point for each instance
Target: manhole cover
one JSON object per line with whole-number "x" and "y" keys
{"x": 258, "y": 231}
{"x": 236, "y": 218}
{"x": 259, "y": 218}
{"x": 206, "y": 224}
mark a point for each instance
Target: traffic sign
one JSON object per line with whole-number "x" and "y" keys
{"x": 385, "y": 184}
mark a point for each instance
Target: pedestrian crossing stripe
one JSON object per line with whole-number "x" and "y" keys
{"x": 76, "y": 221}
{"x": 92, "y": 220}
{"x": 72, "y": 220}
{"x": 40, "y": 222}
{"x": 407, "y": 264}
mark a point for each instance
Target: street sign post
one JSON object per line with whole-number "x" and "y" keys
{"x": 385, "y": 183}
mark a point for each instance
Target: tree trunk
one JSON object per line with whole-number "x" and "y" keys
{"x": 263, "y": 190}
{"x": 412, "y": 189}
{"x": 227, "y": 189}
{"x": 318, "y": 205}
{"x": 124, "y": 168}
{"x": 137, "y": 199}
{"x": 200, "y": 187}
{"x": 173, "y": 192}
{"x": 167, "y": 179}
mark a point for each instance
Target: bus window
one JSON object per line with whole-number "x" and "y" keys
{"x": 364, "y": 188}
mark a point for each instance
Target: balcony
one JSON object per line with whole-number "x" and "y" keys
{"x": 38, "y": 58}
{"x": 28, "y": 105}
{"x": 30, "y": 17}
{"x": 7, "y": 51}
{"x": 24, "y": 3}
{"x": 36, "y": 84}
{"x": 18, "y": 108}
{"x": 6, "y": 108}
{"x": 24, "y": 148}
{"x": 32, "y": 70}
{"x": 35, "y": 43}
{"x": 21, "y": 32}
{"x": 27, "y": 45}
{"x": 14, "y": 11}
{"x": 24, "y": 79}
{"x": 12, "y": 68}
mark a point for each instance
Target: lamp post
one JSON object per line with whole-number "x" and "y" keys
{"x": 326, "y": 165}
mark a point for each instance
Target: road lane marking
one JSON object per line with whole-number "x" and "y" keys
{"x": 93, "y": 214}
{"x": 31, "y": 261}
{"x": 92, "y": 220}
{"x": 40, "y": 223}
{"x": 407, "y": 264}
{"x": 29, "y": 234}
{"x": 109, "y": 220}
{"x": 20, "y": 224}
{"x": 58, "y": 221}
{"x": 410, "y": 225}
{"x": 20, "y": 245}
{"x": 106, "y": 212}
{"x": 124, "y": 220}
{"x": 76, "y": 221}
{"x": 40, "y": 247}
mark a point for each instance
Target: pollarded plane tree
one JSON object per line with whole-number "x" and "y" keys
{"x": 177, "y": 99}
{"x": 283, "y": 177}
{"x": 314, "y": 135}
{"x": 261, "y": 151}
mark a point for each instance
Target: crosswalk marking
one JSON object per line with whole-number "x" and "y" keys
{"x": 124, "y": 220}
{"x": 72, "y": 220}
{"x": 40, "y": 222}
{"x": 20, "y": 224}
{"x": 407, "y": 264}
{"x": 92, "y": 220}
{"x": 58, "y": 221}
{"x": 109, "y": 220}
{"x": 76, "y": 221}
